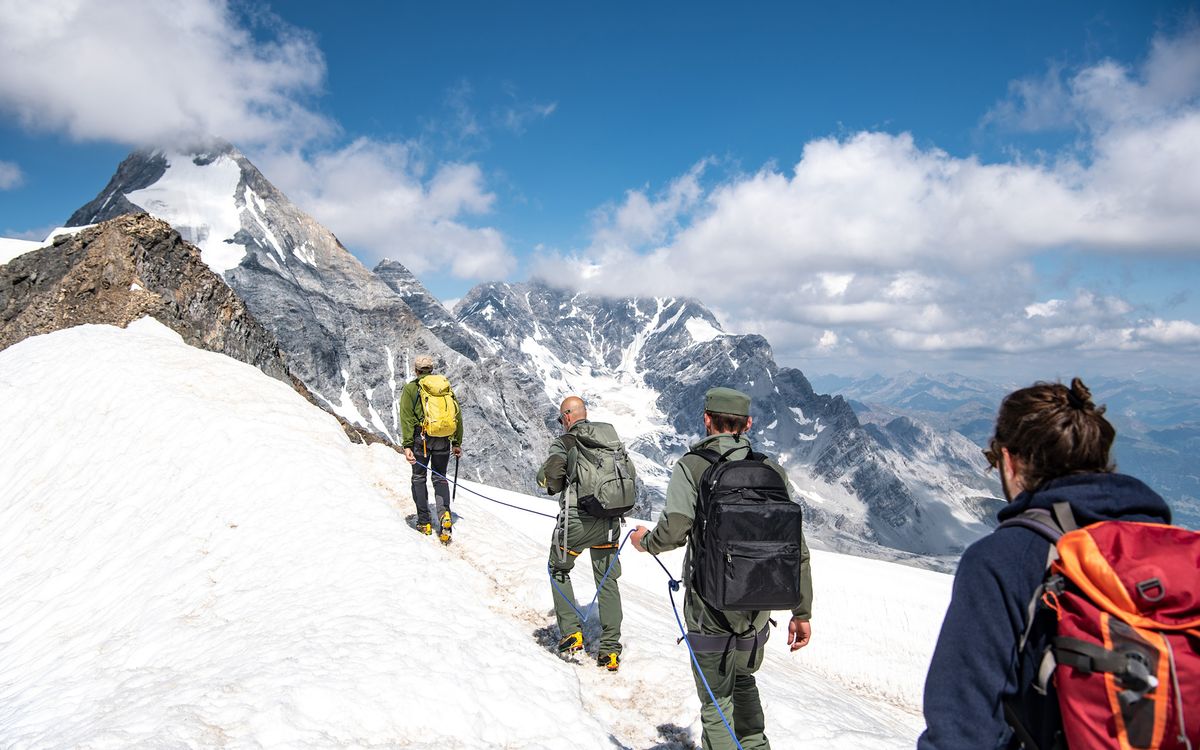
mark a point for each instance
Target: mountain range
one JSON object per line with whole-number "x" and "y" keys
{"x": 899, "y": 488}
{"x": 1158, "y": 427}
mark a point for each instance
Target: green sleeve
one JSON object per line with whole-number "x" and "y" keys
{"x": 553, "y": 475}
{"x": 670, "y": 533}
{"x": 676, "y": 519}
{"x": 408, "y": 414}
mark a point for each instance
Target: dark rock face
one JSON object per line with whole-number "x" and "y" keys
{"x": 132, "y": 174}
{"x": 427, "y": 308}
{"x": 343, "y": 331}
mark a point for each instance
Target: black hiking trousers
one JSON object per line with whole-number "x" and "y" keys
{"x": 433, "y": 452}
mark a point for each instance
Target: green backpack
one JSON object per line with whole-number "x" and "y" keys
{"x": 602, "y": 472}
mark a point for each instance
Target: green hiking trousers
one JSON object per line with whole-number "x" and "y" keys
{"x": 602, "y": 536}
{"x": 718, "y": 650}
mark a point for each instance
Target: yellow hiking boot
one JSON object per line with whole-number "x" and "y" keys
{"x": 571, "y": 643}
{"x": 447, "y": 526}
{"x": 425, "y": 528}
{"x": 610, "y": 661}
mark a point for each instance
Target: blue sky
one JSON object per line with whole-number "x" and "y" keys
{"x": 938, "y": 186}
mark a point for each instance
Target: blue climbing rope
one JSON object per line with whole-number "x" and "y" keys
{"x": 599, "y": 586}
{"x": 672, "y": 587}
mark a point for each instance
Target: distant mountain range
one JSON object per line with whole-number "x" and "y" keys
{"x": 900, "y": 487}
{"x": 1158, "y": 427}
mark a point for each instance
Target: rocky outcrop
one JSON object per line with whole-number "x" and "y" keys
{"x": 120, "y": 271}
{"x": 128, "y": 268}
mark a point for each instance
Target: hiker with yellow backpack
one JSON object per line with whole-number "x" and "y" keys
{"x": 431, "y": 428}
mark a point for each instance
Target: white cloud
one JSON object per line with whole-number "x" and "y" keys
{"x": 1181, "y": 333}
{"x": 10, "y": 175}
{"x": 384, "y": 200}
{"x": 143, "y": 71}
{"x": 895, "y": 247}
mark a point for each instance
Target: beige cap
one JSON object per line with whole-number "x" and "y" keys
{"x": 423, "y": 362}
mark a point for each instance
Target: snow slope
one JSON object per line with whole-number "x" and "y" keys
{"x": 191, "y": 555}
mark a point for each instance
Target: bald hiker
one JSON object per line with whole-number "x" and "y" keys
{"x": 589, "y": 467}
{"x": 431, "y": 428}
{"x": 745, "y": 558}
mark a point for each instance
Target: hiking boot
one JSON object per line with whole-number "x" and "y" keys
{"x": 447, "y": 525}
{"x": 571, "y": 643}
{"x": 425, "y": 528}
{"x": 610, "y": 661}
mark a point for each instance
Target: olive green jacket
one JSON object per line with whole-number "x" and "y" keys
{"x": 676, "y": 519}
{"x": 412, "y": 415}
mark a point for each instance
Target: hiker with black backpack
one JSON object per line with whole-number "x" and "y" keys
{"x": 431, "y": 428}
{"x": 1076, "y": 623}
{"x": 746, "y": 557}
{"x": 589, "y": 467}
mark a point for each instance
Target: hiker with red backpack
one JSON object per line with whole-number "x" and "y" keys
{"x": 431, "y": 428}
{"x": 746, "y": 557}
{"x": 1076, "y": 623}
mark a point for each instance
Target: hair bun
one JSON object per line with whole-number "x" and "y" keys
{"x": 1078, "y": 396}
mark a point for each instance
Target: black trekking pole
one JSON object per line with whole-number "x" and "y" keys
{"x": 454, "y": 492}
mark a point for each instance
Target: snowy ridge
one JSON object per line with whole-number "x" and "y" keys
{"x": 241, "y": 575}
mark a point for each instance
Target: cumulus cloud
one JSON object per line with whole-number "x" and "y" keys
{"x": 142, "y": 71}
{"x": 10, "y": 175}
{"x": 875, "y": 243}
{"x": 385, "y": 200}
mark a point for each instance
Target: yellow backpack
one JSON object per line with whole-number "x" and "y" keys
{"x": 440, "y": 406}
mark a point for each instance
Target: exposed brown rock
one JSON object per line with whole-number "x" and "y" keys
{"x": 135, "y": 266}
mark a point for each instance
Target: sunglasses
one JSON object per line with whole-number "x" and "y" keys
{"x": 992, "y": 453}
{"x": 563, "y": 414}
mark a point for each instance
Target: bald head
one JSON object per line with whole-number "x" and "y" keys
{"x": 571, "y": 411}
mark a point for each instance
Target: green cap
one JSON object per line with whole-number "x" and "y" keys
{"x": 727, "y": 401}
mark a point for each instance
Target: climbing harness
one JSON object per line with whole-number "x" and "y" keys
{"x": 599, "y": 586}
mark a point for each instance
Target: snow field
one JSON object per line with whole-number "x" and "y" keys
{"x": 200, "y": 202}
{"x": 192, "y": 555}
{"x": 189, "y": 556}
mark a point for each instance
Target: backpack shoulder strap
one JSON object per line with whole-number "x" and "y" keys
{"x": 1050, "y": 526}
{"x": 708, "y": 454}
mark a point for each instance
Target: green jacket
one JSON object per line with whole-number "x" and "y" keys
{"x": 676, "y": 521}
{"x": 412, "y": 415}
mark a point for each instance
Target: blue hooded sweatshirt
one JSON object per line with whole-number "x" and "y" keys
{"x": 975, "y": 666}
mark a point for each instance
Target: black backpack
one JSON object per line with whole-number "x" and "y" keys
{"x": 745, "y": 540}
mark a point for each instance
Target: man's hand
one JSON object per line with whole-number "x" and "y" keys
{"x": 636, "y": 537}
{"x": 457, "y": 451}
{"x": 799, "y": 633}
{"x": 408, "y": 455}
